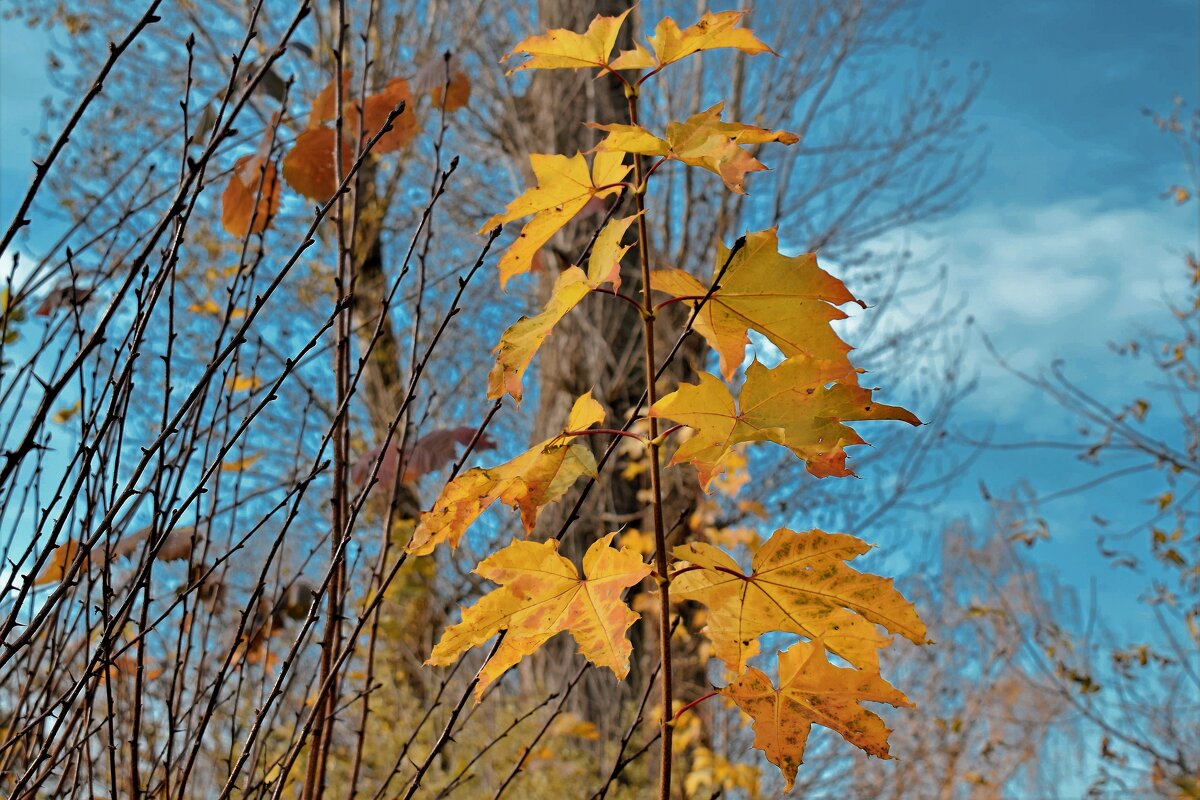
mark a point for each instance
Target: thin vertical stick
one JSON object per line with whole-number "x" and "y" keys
{"x": 660, "y": 537}
{"x": 314, "y": 779}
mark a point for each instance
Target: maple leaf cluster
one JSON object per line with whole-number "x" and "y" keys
{"x": 799, "y": 583}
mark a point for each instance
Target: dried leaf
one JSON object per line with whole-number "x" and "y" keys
{"x": 241, "y": 464}
{"x": 241, "y": 215}
{"x": 308, "y": 167}
{"x": 428, "y": 454}
{"x": 458, "y": 92}
{"x": 65, "y": 415}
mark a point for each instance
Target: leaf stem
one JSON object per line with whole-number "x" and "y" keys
{"x": 681, "y": 298}
{"x": 605, "y": 432}
{"x": 692, "y": 705}
{"x": 620, "y": 296}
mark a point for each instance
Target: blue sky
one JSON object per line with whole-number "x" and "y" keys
{"x": 1063, "y": 246}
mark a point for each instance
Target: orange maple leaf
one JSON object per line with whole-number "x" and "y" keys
{"x": 799, "y": 583}
{"x": 539, "y": 476}
{"x": 811, "y": 690}
{"x": 788, "y": 299}
{"x": 793, "y": 405}
{"x": 541, "y": 594}
{"x": 308, "y": 167}
{"x": 240, "y": 214}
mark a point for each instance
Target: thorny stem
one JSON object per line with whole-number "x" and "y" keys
{"x": 660, "y": 537}
{"x": 41, "y": 168}
{"x": 314, "y": 780}
{"x": 445, "y": 735}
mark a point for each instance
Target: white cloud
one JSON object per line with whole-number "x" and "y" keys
{"x": 1059, "y": 281}
{"x": 1063, "y": 265}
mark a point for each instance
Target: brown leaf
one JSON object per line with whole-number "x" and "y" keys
{"x": 308, "y": 167}
{"x": 240, "y": 214}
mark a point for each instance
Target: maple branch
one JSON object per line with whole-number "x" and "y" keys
{"x": 605, "y": 69}
{"x": 714, "y": 568}
{"x": 663, "y": 436}
{"x": 679, "y": 299}
{"x": 621, "y": 762}
{"x": 622, "y": 185}
{"x": 654, "y": 167}
{"x": 656, "y": 508}
{"x": 635, "y": 415}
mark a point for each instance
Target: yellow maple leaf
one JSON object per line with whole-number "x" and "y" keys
{"x": 811, "y": 690}
{"x": 64, "y": 415}
{"x": 702, "y": 140}
{"x": 736, "y": 474}
{"x": 799, "y": 583}
{"x": 570, "y": 724}
{"x": 541, "y": 594}
{"x": 792, "y": 405}
{"x": 669, "y": 43}
{"x": 56, "y": 568}
{"x": 788, "y": 299}
{"x": 520, "y": 342}
{"x": 638, "y": 541}
{"x": 242, "y": 383}
{"x": 241, "y": 464}
{"x": 564, "y": 187}
{"x": 539, "y": 476}
{"x": 205, "y": 307}
{"x": 563, "y": 49}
